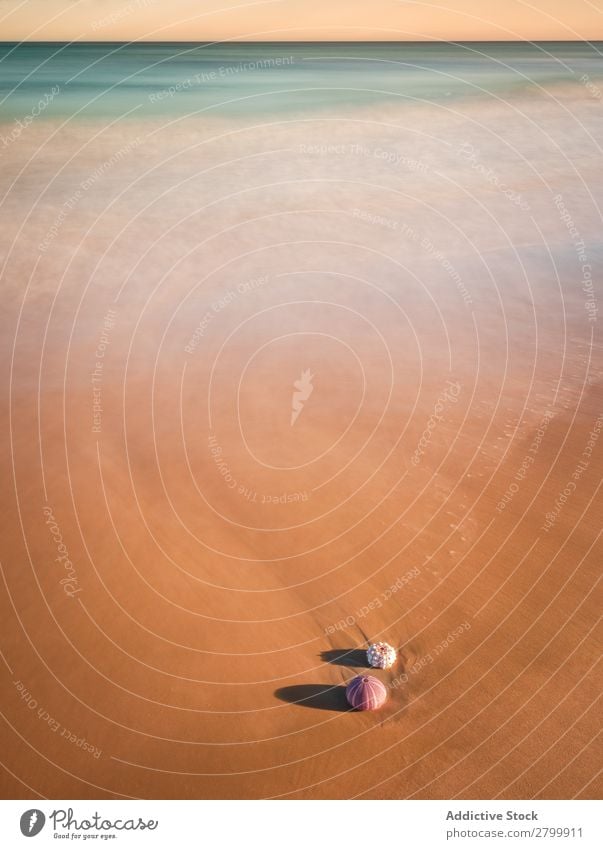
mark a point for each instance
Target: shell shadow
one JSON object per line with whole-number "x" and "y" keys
{"x": 346, "y": 657}
{"x": 317, "y": 696}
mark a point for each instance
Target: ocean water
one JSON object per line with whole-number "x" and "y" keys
{"x": 148, "y": 166}
{"x": 90, "y": 79}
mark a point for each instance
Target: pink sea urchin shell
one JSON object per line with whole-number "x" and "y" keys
{"x": 381, "y": 655}
{"x": 365, "y": 692}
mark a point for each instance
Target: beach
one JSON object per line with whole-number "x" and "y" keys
{"x": 297, "y": 357}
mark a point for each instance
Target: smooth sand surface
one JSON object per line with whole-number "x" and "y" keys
{"x": 222, "y": 568}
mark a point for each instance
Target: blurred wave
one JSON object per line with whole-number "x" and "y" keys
{"x": 174, "y": 78}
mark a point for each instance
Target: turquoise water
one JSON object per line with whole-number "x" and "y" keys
{"x": 104, "y": 79}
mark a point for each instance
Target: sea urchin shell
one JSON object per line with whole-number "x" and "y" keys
{"x": 366, "y": 692}
{"x": 381, "y": 655}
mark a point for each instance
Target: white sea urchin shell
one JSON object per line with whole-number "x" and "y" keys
{"x": 381, "y": 655}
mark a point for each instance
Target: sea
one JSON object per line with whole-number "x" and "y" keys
{"x": 153, "y": 78}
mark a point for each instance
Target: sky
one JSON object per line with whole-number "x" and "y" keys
{"x": 300, "y": 20}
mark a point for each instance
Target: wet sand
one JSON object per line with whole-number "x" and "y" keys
{"x": 220, "y": 569}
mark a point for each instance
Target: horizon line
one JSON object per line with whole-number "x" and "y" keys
{"x": 310, "y": 41}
